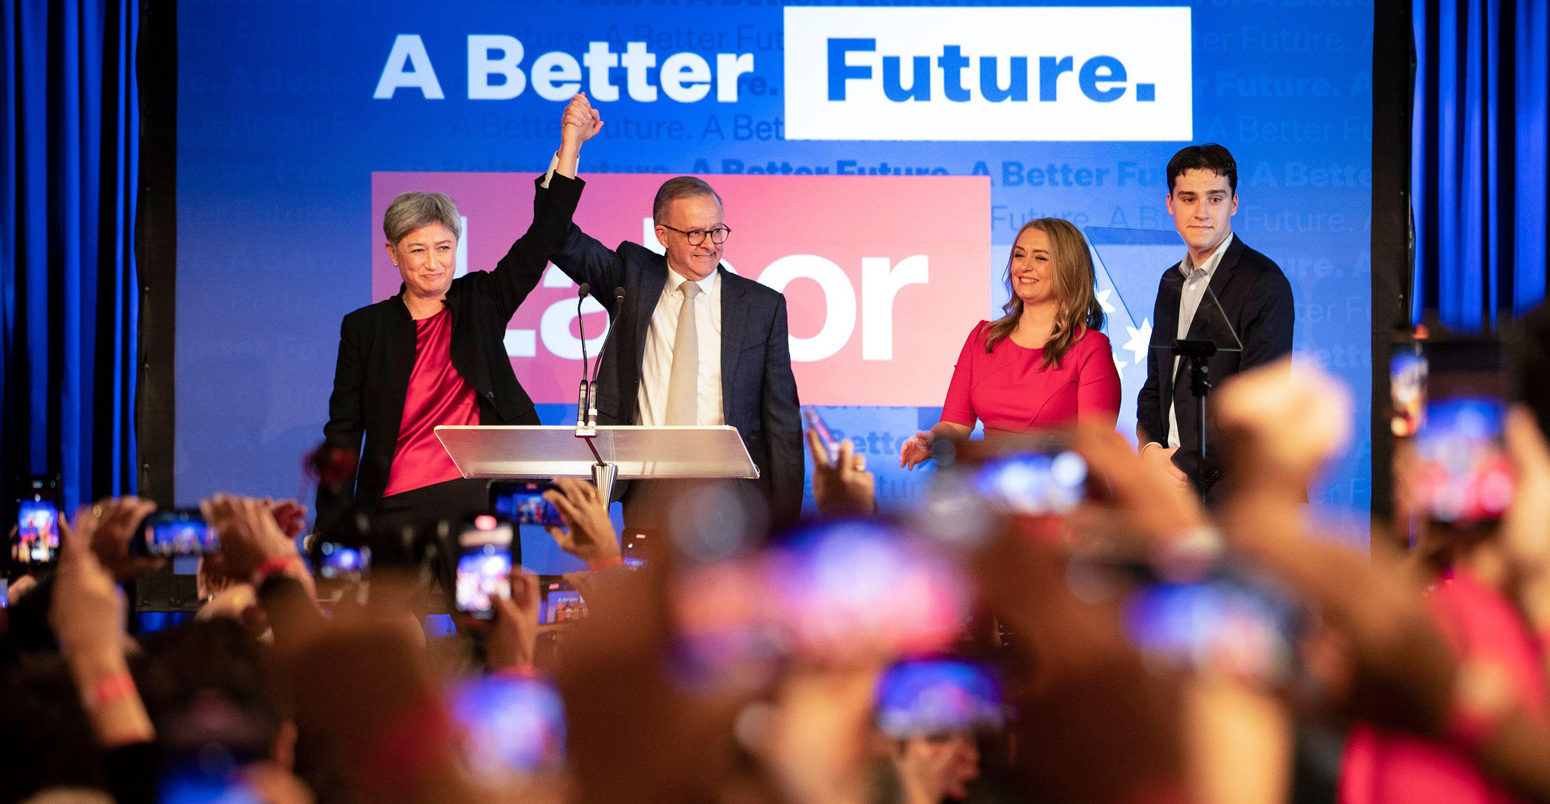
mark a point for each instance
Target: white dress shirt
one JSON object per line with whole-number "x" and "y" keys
{"x": 656, "y": 366}
{"x": 1196, "y": 281}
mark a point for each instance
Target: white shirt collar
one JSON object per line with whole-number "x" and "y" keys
{"x": 1207, "y": 268}
{"x": 674, "y": 279}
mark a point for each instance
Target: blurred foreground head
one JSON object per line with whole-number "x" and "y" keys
{"x": 372, "y": 725}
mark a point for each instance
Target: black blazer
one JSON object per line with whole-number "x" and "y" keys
{"x": 1258, "y": 302}
{"x": 758, "y": 391}
{"x": 377, "y": 350}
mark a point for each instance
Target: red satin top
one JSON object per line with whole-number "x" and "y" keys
{"x": 437, "y": 395}
{"x": 1010, "y": 390}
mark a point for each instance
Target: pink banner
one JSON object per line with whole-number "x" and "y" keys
{"x": 883, "y": 276}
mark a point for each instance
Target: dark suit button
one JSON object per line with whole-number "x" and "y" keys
{"x": 490, "y": 395}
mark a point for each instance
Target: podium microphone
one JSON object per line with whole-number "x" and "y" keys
{"x": 597, "y": 365}
{"x": 584, "y": 394}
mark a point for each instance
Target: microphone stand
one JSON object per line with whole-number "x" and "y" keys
{"x": 603, "y": 472}
{"x": 584, "y": 394}
{"x": 597, "y": 365}
{"x": 1198, "y": 354}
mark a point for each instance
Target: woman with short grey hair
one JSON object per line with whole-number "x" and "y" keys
{"x": 432, "y": 354}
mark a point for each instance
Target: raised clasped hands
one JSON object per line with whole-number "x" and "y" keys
{"x": 580, "y": 122}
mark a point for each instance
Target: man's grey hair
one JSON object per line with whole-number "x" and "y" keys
{"x": 411, "y": 210}
{"x": 676, "y": 188}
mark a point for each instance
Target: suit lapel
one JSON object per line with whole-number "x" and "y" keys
{"x": 402, "y": 344}
{"x": 732, "y": 329}
{"x": 649, "y": 293}
{"x": 1164, "y": 332}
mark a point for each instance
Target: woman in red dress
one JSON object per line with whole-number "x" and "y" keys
{"x": 1042, "y": 364}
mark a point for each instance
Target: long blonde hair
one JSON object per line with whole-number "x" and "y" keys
{"x": 1074, "y": 280}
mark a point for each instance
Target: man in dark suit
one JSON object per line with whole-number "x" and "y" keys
{"x": 692, "y": 343}
{"x": 1223, "y": 292}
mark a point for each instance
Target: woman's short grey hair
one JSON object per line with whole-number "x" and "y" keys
{"x": 409, "y": 211}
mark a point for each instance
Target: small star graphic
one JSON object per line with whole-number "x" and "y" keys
{"x": 1140, "y": 339}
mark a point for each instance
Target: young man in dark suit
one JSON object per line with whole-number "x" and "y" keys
{"x": 736, "y": 367}
{"x": 1222, "y": 291}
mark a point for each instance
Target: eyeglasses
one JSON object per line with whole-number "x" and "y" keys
{"x": 695, "y": 237}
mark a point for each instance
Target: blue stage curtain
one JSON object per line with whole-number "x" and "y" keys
{"x": 1479, "y": 170}
{"x": 68, "y": 301}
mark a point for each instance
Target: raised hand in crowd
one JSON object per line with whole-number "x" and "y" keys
{"x": 251, "y": 539}
{"x": 255, "y": 549}
{"x": 1403, "y": 667}
{"x": 1290, "y": 419}
{"x": 1525, "y": 528}
{"x": 112, "y": 524}
{"x": 289, "y": 514}
{"x": 588, "y": 533}
{"x": 1403, "y": 673}
{"x": 513, "y": 634}
{"x": 1237, "y": 736}
{"x": 87, "y": 615}
{"x": 846, "y": 488}
{"x": 1144, "y": 499}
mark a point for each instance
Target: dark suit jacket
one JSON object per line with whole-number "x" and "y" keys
{"x": 1258, "y": 302}
{"x": 377, "y": 350}
{"x": 758, "y": 391}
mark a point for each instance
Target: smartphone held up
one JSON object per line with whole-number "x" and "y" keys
{"x": 37, "y": 524}
{"x": 168, "y": 534}
{"x": 483, "y": 570}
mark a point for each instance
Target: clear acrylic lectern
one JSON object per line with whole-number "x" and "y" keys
{"x": 601, "y": 453}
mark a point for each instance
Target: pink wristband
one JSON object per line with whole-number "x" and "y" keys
{"x": 272, "y": 566}
{"x": 111, "y": 689}
{"x": 606, "y": 563}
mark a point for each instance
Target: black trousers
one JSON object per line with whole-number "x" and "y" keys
{"x": 454, "y": 502}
